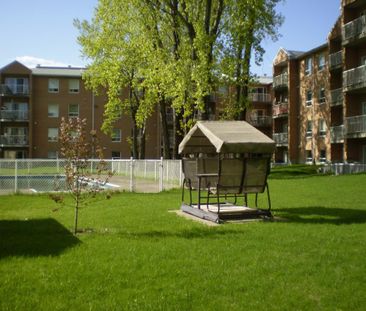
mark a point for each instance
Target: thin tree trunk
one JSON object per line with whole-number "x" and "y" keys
{"x": 164, "y": 128}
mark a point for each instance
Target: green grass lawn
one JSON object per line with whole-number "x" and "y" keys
{"x": 141, "y": 256}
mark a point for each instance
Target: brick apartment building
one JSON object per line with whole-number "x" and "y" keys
{"x": 319, "y": 111}
{"x": 33, "y": 101}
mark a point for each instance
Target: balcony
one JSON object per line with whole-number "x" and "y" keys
{"x": 336, "y": 97}
{"x": 354, "y": 79}
{"x": 281, "y": 139}
{"x": 261, "y": 121}
{"x": 260, "y": 97}
{"x": 13, "y": 115}
{"x": 280, "y": 81}
{"x": 356, "y": 126}
{"x": 335, "y": 60}
{"x": 280, "y": 110}
{"x": 354, "y": 30}
{"x": 14, "y": 140}
{"x": 337, "y": 134}
{"x": 14, "y": 90}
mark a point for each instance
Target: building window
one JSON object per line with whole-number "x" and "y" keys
{"x": 308, "y": 66}
{"x": 52, "y": 134}
{"x": 309, "y": 98}
{"x": 309, "y": 156}
{"x": 53, "y": 85}
{"x": 322, "y": 156}
{"x": 322, "y": 95}
{"x": 18, "y": 86}
{"x": 322, "y": 127}
{"x": 74, "y": 86}
{"x": 116, "y": 135}
{"x": 116, "y": 155}
{"x": 309, "y": 128}
{"x": 53, "y": 110}
{"x": 73, "y": 110}
{"x": 52, "y": 154}
{"x": 321, "y": 62}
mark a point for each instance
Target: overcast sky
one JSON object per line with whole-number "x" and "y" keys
{"x": 42, "y": 32}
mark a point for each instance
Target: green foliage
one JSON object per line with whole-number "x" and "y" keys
{"x": 172, "y": 50}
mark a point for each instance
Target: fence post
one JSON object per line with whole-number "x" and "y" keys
{"x": 132, "y": 175}
{"x": 161, "y": 175}
{"x": 16, "y": 176}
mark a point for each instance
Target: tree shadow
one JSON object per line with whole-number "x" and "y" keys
{"x": 33, "y": 238}
{"x": 193, "y": 233}
{"x": 322, "y": 215}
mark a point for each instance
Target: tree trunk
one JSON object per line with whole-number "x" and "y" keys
{"x": 248, "y": 46}
{"x": 76, "y": 220}
{"x": 142, "y": 142}
{"x": 178, "y": 117}
{"x": 164, "y": 130}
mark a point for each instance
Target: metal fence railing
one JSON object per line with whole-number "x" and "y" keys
{"x": 43, "y": 175}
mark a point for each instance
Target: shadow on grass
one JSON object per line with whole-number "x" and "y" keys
{"x": 322, "y": 215}
{"x": 33, "y": 238}
{"x": 194, "y": 233}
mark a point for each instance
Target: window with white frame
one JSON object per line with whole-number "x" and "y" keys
{"x": 52, "y": 154}
{"x": 52, "y": 134}
{"x": 309, "y": 156}
{"x": 322, "y": 156}
{"x": 309, "y": 128}
{"x": 308, "y": 66}
{"x": 74, "y": 86}
{"x": 53, "y": 85}
{"x": 116, "y": 135}
{"x": 73, "y": 110}
{"x": 309, "y": 98}
{"x": 53, "y": 110}
{"x": 322, "y": 127}
{"x": 321, "y": 61}
{"x": 322, "y": 95}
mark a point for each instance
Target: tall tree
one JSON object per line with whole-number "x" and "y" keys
{"x": 175, "y": 51}
{"x": 247, "y": 24}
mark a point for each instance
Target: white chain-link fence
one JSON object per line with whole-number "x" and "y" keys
{"x": 42, "y": 175}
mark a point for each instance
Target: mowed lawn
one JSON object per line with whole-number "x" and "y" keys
{"x": 138, "y": 255}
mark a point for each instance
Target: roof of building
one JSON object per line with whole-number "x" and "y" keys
{"x": 58, "y": 71}
{"x": 294, "y": 54}
{"x": 264, "y": 80}
{"x": 314, "y": 50}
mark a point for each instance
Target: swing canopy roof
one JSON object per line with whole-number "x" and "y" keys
{"x": 225, "y": 137}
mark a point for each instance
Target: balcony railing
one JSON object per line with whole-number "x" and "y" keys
{"x": 354, "y": 29}
{"x": 280, "y": 109}
{"x": 337, "y": 133}
{"x": 336, "y": 97}
{"x": 14, "y": 115}
{"x": 356, "y": 125}
{"x": 261, "y": 121}
{"x": 354, "y": 78}
{"x": 260, "y": 97}
{"x": 14, "y": 90}
{"x": 335, "y": 60}
{"x": 280, "y": 138}
{"x": 14, "y": 140}
{"x": 280, "y": 80}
